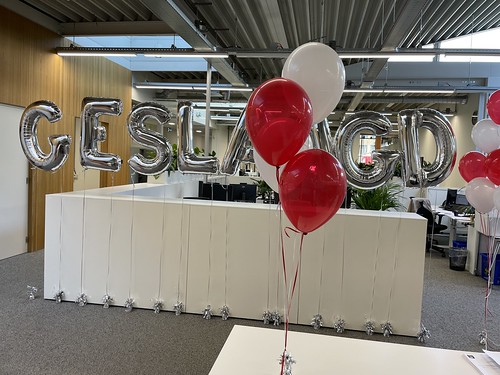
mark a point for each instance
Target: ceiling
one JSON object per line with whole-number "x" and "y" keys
{"x": 282, "y": 24}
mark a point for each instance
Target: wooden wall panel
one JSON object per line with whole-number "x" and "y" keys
{"x": 31, "y": 71}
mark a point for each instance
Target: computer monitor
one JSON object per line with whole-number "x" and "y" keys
{"x": 462, "y": 200}
{"x": 451, "y": 197}
{"x": 213, "y": 191}
{"x": 242, "y": 193}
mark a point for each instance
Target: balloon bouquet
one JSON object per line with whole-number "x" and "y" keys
{"x": 279, "y": 116}
{"x": 482, "y": 174}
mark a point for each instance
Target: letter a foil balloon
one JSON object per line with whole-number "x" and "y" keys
{"x": 312, "y": 187}
{"x": 278, "y": 120}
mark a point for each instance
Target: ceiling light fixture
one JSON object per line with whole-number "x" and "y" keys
{"x": 190, "y": 86}
{"x": 133, "y": 52}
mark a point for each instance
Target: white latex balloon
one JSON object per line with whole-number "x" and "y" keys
{"x": 268, "y": 171}
{"x": 485, "y": 135}
{"x": 479, "y": 192}
{"x": 320, "y": 71}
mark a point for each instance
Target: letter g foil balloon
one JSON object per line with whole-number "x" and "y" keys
{"x": 384, "y": 160}
{"x": 59, "y": 144}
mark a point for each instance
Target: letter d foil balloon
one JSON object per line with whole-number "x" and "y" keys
{"x": 414, "y": 173}
{"x": 93, "y": 132}
{"x": 149, "y": 138}
{"x": 59, "y": 144}
{"x": 188, "y": 161}
{"x": 384, "y": 160}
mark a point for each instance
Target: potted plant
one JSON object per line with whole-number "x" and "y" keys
{"x": 379, "y": 199}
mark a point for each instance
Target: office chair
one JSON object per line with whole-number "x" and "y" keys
{"x": 432, "y": 227}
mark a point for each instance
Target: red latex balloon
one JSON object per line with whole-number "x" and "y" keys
{"x": 312, "y": 187}
{"x": 471, "y": 165}
{"x": 493, "y": 107}
{"x": 278, "y": 119}
{"x": 492, "y": 166}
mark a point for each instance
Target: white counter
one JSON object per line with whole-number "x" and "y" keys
{"x": 250, "y": 350}
{"x": 361, "y": 265}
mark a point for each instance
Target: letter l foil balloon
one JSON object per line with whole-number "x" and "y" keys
{"x": 384, "y": 160}
{"x": 149, "y": 138}
{"x": 238, "y": 147}
{"x": 93, "y": 132}
{"x": 414, "y": 173}
{"x": 59, "y": 144}
{"x": 188, "y": 161}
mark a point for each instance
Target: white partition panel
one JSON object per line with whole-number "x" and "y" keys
{"x": 360, "y": 266}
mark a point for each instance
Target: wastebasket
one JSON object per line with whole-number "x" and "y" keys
{"x": 458, "y": 255}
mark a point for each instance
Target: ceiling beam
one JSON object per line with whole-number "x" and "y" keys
{"x": 33, "y": 15}
{"x": 408, "y": 16}
{"x": 168, "y": 12}
{"x": 116, "y": 28}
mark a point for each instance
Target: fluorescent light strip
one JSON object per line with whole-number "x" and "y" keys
{"x": 419, "y": 91}
{"x": 203, "y": 55}
{"x": 102, "y": 54}
{"x": 190, "y": 87}
{"x": 375, "y": 91}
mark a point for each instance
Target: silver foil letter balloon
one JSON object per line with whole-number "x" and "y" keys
{"x": 414, "y": 173}
{"x": 384, "y": 160}
{"x": 238, "y": 148}
{"x": 187, "y": 160}
{"x": 59, "y": 144}
{"x": 322, "y": 137}
{"x": 92, "y": 132}
{"x": 149, "y": 138}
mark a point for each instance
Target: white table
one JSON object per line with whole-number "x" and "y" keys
{"x": 454, "y": 219}
{"x": 250, "y": 351}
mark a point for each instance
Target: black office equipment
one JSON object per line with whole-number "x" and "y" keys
{"x": 451, "y": 198}
{"x": 458, "y": 203}
{"x": 213, "y": 191}
{"x": 432, "y": 227}
{"x": 242, "y": 192}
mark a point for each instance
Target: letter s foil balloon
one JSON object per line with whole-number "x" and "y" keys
{"x": 237, "y": 148}
{"x": 188, "y": 161}
{"x": 414, "y": 174}
{"x": 93, "y": 132}
{"x": 149, "y": 138}
{"x": 59, "y": 144}
{"x": 384, "y": 160}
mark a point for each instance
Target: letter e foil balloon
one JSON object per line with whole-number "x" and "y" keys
{"x": 188, "y": 161}
{"x": 384, "y": 160}
{"x": 59, "y": 144}
{"x": 312, "y": 188}
{"x": 93, "y": 132}
{"x": 149, "y": 138}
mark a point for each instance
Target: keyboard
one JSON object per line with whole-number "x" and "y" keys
{"x": 460, "y": 209}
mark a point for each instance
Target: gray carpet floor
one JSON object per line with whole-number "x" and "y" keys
{"x": 42, "y": 337}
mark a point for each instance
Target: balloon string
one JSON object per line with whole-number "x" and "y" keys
{"x": 290, "y": 297}
{"x": 162, "y": 251}
{"x": 131, "y": 237}
{"x": 61, "y": 212}
{"x": 82, "y": 260}
{"x": 181, "y": 250}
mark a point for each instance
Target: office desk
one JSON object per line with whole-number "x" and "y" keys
{"x": 454, "y": 219}
{"x": 250, "y": 351}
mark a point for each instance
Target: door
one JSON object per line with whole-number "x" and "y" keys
{"x": 14, "y": 191}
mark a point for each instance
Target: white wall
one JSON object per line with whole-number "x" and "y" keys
{"x": 14, "y": 197}
{"x": 462, "y": 126}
